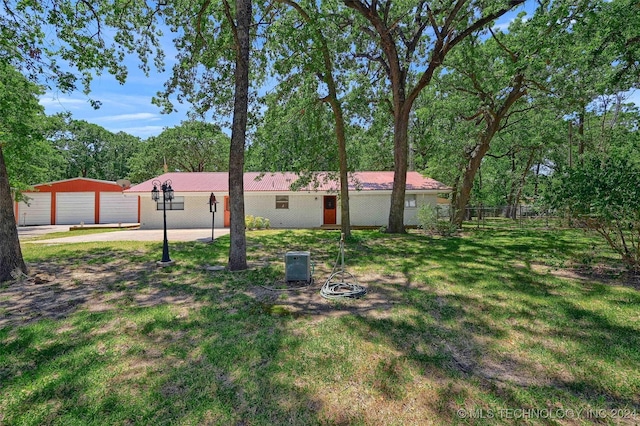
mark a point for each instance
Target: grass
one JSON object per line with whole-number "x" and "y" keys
{"x": 70, "y": 233}
{"x": 462, "y": 330}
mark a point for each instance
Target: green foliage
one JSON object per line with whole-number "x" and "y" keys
{"x": 297, "y": 133}
{"x": 604, "y": 195}
{"x": 30, "y": 158}
{"x": 193, "y": 146}
{"x": 90, "y": 150}
{"x": 431, "y": 222}
{"x": 256, "y": 222}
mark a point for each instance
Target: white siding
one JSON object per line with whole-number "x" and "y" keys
{"x": 369, "y": 209}
{"x": 421, "y": 199}
{"x": 116, "y": 208}
{"x": 36, "y": 210}
{"x": 72, "y": 208}
{"x": 195, "y": 214}
{"x": 305, "y": 210}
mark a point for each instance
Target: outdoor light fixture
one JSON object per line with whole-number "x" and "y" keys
{"x": 167, "y": 195}
{"x": 213, "y": 207}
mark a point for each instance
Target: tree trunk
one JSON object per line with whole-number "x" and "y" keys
{"x": 400, "y": 158}
{"x": 522, "y": 182}
{"x": 509, "y": 210}
{"x": 345, "y": 218}
{"x": 10, "y": 252}
{"x": 238, "y": 244}
{"x": 492, "y": 120}
{"x": 332, "y": 98}
{"x": 581, "y": 141}
{"x": 537, "y": 181}
{"x": 473, "y": 164}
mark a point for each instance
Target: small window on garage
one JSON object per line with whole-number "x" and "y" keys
{"x": 410, "y": 201}
{"x": 176, "y": 204}
{"x": 282, "y": 201}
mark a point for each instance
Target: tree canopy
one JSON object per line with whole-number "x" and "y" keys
{"x": 193, "y": 146}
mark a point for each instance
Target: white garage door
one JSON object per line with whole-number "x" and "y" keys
{"x": 72, "y": 208}
{"x": 36, "y": 210}
{"x": 116, "y": 208}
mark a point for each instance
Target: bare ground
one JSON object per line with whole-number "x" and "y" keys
{"x": 55, "y": 289}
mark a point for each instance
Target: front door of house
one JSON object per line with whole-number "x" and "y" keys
{"x": 329, "y": 210}
{"x": 227, "y": 212}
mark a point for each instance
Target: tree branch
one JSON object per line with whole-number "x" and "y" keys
{"x": 513, "y": 55}
{"x": 227, "y": 12}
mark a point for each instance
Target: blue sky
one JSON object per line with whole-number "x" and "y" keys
{"x": 128, "y": 107}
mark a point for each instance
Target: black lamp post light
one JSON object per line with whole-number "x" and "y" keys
{"x": 167, "y": 195}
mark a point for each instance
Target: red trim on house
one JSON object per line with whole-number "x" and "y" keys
{"x": 139, "y": 202}
{"x": 53, "y": 207}
{"x": 96, "y": 207}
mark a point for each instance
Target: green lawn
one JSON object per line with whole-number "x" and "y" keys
{"x": 494, "y": 327}
{"x": 73, "y": 233}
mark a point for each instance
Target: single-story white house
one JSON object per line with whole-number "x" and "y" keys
{"x": 269, "y": 195}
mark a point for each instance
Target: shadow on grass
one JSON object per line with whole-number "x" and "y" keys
{"x": 466, "y": 316}
{"x": 154, "y": 365}
{"x": 479, "y": 316}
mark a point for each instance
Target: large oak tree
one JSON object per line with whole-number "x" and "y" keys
{"x": 409, "y": 41}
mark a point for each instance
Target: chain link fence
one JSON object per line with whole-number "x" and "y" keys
{"x": 509, "y": 217}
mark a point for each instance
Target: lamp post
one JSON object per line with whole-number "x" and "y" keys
{"x": 167, "y": 194}
{"x": 213, "y": 207}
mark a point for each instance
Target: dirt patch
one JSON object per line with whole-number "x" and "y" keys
{"x": 55, "y": 290}
{"x": 599, "y": 274}
{"x": 298, "y": 299}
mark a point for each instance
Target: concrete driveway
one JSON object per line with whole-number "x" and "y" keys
{"x": 202, "y": 234}
{"x": 25, "y": 232}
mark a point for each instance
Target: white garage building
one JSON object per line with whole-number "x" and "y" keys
{"x": 76, "y": 201}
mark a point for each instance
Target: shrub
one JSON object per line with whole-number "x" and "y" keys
{"x": 429, "y": 222}
{"x": 604, "y": 196}
{"x": 256, "y": 222}
{"x": 259, "y": 222}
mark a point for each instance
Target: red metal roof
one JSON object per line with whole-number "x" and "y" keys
{"x": 78, "y": 184}
{"x": 259, "y": 182}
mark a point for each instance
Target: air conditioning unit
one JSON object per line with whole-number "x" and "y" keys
{"x": 297, "y": 266}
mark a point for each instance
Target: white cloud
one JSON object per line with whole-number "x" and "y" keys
{"x": 129, "y": 117}
{"x": 53, "y": 101}
{"x": 140, "y": 131}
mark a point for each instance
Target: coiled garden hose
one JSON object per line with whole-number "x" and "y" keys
{"x": 337, "y": 285}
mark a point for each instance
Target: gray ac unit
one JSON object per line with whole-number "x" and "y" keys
{"x": 297, "y": 266}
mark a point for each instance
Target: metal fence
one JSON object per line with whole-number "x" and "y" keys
{"x": 500, "y": 217}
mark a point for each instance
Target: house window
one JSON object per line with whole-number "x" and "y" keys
{"x": 410, "y": 201}
{"x": 176, "y": 204}
{"x": 282, "y": 201}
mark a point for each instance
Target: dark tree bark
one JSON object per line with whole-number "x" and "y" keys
{"x": 492, "y": 121}
{"x": 10, "y": 252}
{"x": 345, "y": 218}
{"x": 238, "y": 245}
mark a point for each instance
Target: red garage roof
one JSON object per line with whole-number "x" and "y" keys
{"x": 79, "y": 184}
{"x": 258, "y": 182}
